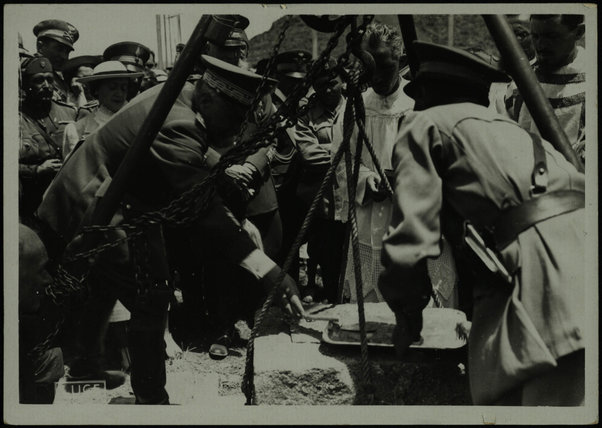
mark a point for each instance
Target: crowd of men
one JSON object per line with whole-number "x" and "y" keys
{"x": 454, "y": 147}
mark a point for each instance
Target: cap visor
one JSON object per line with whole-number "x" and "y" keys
{"x": 59, "y": 39}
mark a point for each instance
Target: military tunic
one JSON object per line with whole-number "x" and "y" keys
{"x": 34, "y": 149}
{"x": 481, "y": 163}
{"x": 74, "y": 132}
{"x": 86, "y": 109}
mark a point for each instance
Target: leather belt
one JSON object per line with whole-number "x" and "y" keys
{"x": 517, "y": 219}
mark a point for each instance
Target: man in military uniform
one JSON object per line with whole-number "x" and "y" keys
{"x": 457, "y": 161}
{"x": 42, "y": 121}
{"x": 289, "y": 68}
{"x": 235, "y": 48}
{"x": 199, "y": 128}
{"x": 134, "y": 56}
{"x": 55, "y": 39}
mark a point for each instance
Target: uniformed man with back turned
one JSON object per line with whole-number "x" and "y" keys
{"x": 513, "y": 207}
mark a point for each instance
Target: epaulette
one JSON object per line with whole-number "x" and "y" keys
{"x": 65, "y": 104}
{"x": 90, "y": 105}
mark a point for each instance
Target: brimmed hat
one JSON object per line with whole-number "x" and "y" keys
{"x": 109, "y": 70}
{"x": 232, "y": 81}
{"x": 132, "y": 54}
{"x": 61, "y": 31}
{"x": 454, "y": 65}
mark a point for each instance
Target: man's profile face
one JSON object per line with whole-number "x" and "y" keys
{"x": 329, "y": 91}
{"x": 555, "y": 43}
{"x": 386, "y": 73}
{"x": 40, "y": 87}
{"x": 57, "y": 53}
{"x": 222, "y": 116}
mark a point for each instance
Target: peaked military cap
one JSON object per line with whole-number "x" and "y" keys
{"x": 237, "y": 36}
{"x": 293, "y": 63}
{"x": 453, "y": 64}
{"x": 58, "y": 30}
{"x": 34, "y": 65}
{"x": 74, "y": 63}
{"x": 132, "y": 54}
{"x": 232, "y": 81}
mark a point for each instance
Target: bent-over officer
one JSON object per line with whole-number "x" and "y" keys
{"x": 466, "y": 170}
{"x": 202, "y": 123}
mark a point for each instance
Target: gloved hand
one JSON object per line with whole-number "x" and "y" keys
{"x": 288, "y": 292}
{"x": 407, "y": 331}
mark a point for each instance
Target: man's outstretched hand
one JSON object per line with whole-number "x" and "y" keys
{"x": 289, "y": 293}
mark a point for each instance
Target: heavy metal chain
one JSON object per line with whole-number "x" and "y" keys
{"x": 248, "y": 384}
{"x": 190, "y": 205}
{"x": 264, "y": 79}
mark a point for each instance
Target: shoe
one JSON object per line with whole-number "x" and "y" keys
{"x": 219, "y": 349}
{"x": 112, "y": 378}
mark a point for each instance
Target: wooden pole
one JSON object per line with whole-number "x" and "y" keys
{"x": 152, "y": 124}
{"x": 408, "y": 33}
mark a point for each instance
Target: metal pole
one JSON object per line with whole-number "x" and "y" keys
{"x": 165, "y": 40}
{"x": 170, "y": 41}
{"x": 152, "y": 124}
{"x": 408, "y": 33}
{"x": 314, "y": 43}
{"x": 450, "y": 30}
{"x": 179, "y": 29}
{"x": 159, "y": 42}
{"x": 536, "y": 101}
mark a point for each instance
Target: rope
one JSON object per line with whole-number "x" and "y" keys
{"x": 247, "y": 385}
{"x": 352, "y": 187}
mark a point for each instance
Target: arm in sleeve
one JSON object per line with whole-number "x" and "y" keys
{"x": 70, "y": 139}
{"x": 312, "y": 152}
{"x": 414, "y": 233}
{"x": 179, "y": 151}
{"x": 260, "y": 161}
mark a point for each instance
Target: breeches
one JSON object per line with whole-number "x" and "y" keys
{"x": 146, "y": 327}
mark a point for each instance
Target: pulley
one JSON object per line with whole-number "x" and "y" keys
{"x": 326, "y": 23}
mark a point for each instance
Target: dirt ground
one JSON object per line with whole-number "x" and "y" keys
{"x": 192, "y": 376}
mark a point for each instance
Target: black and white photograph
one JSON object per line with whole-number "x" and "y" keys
{"x": 302, "y": 214}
